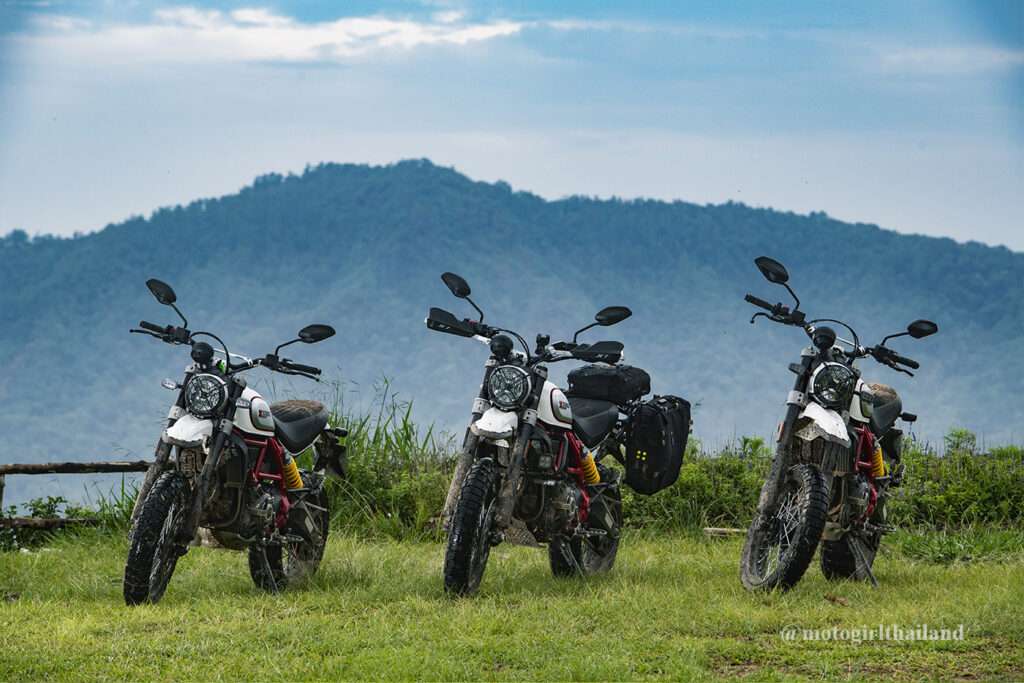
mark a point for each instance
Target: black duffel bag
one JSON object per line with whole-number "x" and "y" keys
{"x": 655, "y": 443}
{"x": 619, "y": 384}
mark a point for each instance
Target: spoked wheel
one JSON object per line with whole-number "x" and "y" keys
{"x": 780, "y": 547}
{"x": 155, "y": 547}
{"x": 469, "y": 543}
{"x": 292, "y": 562}
{"x": 588, "y": 555}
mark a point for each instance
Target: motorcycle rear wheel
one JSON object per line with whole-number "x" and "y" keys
{"x": 154, "y": 550}
{"x": 778, "y": 550}
{"x": 291, "y": 563}
{"x": 469, "y": 542}
{"x": 838, "y": 561}
{"x": 590, "y": 555}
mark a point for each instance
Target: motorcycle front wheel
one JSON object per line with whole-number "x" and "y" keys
{"x": 469, "y": 542}
{"x": 155, "y": 548}
{"x": 780, "y": 547}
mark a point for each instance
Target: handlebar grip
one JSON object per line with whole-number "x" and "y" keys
{"x": 301, "y": 368}
{"x": 750, "y": 298}
{"x": 152, "y": 327}
{"x": 903, "y": 360}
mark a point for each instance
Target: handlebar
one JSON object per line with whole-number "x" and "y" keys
{"x": 152, "y": 327}
{"x": 750, "y": 298}
{"x": 299, "y": 367}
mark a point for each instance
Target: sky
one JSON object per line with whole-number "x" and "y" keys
{"x": 908, "y": 115}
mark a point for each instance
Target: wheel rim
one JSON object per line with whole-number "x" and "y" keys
{"x": 481, "y": 548}
{"x": 166, "y": 555}
{"x": 781, "y": 532}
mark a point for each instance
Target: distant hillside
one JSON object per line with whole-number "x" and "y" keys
{"x": 362, "y": 248}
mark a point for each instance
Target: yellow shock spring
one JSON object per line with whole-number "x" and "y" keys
{"x": 590, "y": 473}
{"x": 292, "y": 478}
{"x": 877, "y": 463}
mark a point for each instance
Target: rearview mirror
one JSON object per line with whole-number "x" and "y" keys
{"x": 311, "y": 334}
{"x": 772, "y": 270}
{"x": 922, "y": 328}
{"x": 162, "y": 291}
{"x": 458, "y": 286}
{"x": 611, "y": 315}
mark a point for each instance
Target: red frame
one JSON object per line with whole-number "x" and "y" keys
{"x": 575, "y": 448}
{"x": 865, "y": 452}
{"x": 256, "y": 475}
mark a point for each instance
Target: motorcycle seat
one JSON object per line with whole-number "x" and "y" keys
{"x": 592, "y": 419}
{"x": 887, "y": 408}
{"x": 298, "y": 423}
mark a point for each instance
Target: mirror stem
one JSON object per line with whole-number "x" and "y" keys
{"x": 792, "y": 294}
{"x": 277, "y": 351}
{"x": 477, "y": 309}
{"x": 584, "y": 329}
{"x": 183, "y": 318}
{"x": 893, "y": 336}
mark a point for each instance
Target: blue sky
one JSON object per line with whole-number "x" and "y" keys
{"x": 905, "y": 114}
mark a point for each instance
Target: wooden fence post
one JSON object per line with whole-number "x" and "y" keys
{"x": 1, "y": 494}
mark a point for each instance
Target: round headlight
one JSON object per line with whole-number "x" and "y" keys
{"x": 834, "y": 384}
{"x": 508, "y": 386}
{"x": 205, "y": 395}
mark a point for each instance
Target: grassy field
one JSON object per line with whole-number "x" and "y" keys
{"x": 672, "y": 608}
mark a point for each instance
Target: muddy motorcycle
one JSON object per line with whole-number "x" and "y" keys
{"x": 837, "y": 457}
{"x": 530, "y": 471}
{"x": 226, "y": 463}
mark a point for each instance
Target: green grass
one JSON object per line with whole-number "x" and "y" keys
{"x": 672, "y": 608}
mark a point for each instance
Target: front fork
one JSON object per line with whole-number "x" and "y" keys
{"x": 768, "y": 503}
{"x": 469, "y": 448}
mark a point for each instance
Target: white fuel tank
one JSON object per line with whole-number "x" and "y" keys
{"x": 257, "y": 419}
{"x": 554, "y": 408}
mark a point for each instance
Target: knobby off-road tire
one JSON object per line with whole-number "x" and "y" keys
{"x": 838, "y": 561}
{"x": 469, "y": 542}
{"x": 292, "y": 563}
{"x": 591, "y": 555}
{"x": 154, "y": 550}
{"x": 778, "y": 550}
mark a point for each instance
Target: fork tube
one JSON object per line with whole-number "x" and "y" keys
{"x": 469, "y": 446}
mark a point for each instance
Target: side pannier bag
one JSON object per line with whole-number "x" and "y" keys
{"x": 619, "y": 384}
{"x": 655, "y": 443}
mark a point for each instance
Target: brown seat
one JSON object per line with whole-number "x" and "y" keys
{"x": 298, "y": 423}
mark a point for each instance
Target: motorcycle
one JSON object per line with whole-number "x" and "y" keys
{"x": 528, "y": 472}
{"x": 226, "y": 463}
{"x": 829, "y": 479}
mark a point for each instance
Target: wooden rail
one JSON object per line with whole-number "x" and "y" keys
{"x": 61, "y": 468}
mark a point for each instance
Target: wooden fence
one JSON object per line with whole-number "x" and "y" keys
{"x": 61, "y": 468}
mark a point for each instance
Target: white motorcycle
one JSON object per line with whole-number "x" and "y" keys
{"x": 226, "y": 463}
{"x": 529, "y": 471}
{"x": 830, "y": 477}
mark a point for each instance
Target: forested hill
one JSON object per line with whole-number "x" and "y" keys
{"x": 362, "y": 248}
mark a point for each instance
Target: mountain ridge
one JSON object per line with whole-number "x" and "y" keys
{"x": 362, "y": 247}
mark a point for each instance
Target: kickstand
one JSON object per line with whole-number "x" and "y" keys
{"x": 266, "y": 569}
{"x": 858, "y": 552}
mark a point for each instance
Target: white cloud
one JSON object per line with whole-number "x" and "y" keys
{"x": 189, "y": 34}
{"x": 950, "y": 60}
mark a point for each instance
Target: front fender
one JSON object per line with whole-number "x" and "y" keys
{"x": 188, "y": 432}
{"x": 822, "y": 422}
{"x": 495, "y": 424}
